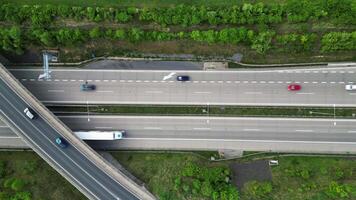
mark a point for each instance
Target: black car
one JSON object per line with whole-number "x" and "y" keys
{"x": 183, "y": 78}
{"x": 87, "y": 87}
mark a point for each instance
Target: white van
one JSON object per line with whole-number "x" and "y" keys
{"x": 350, "y": 87}
{"x": 29, "y": 113}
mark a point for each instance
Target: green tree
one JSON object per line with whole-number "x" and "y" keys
{"x": 11, "y": 39}
{"x": 95, "y": 33}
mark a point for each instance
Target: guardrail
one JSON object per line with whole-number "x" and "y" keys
{"x": 82, "y": 147}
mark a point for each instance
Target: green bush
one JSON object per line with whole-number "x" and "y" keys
{"x": 337, "y": 191}
{"x": 17, "y": 184}
{"x": 22, "y": 196}
{"x": 262, "y": 42}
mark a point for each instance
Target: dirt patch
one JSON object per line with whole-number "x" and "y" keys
{"x": 253, "y": 171}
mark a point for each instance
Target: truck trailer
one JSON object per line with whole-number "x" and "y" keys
{"x": 100, "y": 135}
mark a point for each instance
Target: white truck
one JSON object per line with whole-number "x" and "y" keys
{"x": 100, "y": 135}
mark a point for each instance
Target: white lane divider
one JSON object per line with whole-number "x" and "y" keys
{"x": 103, "y": 127}
{"x": 305, "y": 93}
{"x": 251, "y": 129}
{"x": 202, "y": 128}
{"x": 305, "y": 131}
{"x": 202, "y": 92}
{"x": 55, "y": 90}
{"x": 155, "y": 81}
{"x": 253, "y": 93}
{"x": 154, "y": 92}
{"x": 105, "y": 91}
{"x": 152, "y": 128}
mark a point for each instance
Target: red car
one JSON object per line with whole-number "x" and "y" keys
{"x": 294, "y": 87}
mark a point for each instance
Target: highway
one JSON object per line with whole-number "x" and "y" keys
{"x": 212, "y": 133}
{"x": 320, "y": 87}
{"x": 76, "y": 167}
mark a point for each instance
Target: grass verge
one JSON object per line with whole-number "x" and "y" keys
{"x": 227, "y": 111}
{"x": 25, "y": 173}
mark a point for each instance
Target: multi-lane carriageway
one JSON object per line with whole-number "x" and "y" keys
{"x": 212, "y": 133}
{"x": 320, "y": 87}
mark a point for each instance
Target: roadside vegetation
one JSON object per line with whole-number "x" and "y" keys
{"x": 260, "y": 31}
{"x": 185, "y": 175}
{"x": 227, "y": 111}
{"x": 297, "y": 178}
{"x": 25, "y": 176}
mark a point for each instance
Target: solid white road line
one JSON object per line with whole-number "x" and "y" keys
{"x": 154, "y": 92}
{"x": 55, "y": 90}
{"x": 351, "y": 131}
{"x": 306, "y": 93}
{"x": 236, "y": 140}
{"x": 202, "y": 128}
{"x": 152, "y": 128}
{"x": 251, "y": 129}
{"x": 105, "y": 91}
{"x": 306, "y": 131}
{"x": 10, "y": 137}
{"x": 253, "y": 93}
{"x": 202, "y": 92}
{"x": 103, "y": 127}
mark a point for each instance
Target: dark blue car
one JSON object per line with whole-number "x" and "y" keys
{"x": 61, "y": 142}
{"x": 183, "y": 78}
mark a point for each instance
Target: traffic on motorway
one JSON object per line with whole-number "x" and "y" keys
{"x": 297, "y": 87}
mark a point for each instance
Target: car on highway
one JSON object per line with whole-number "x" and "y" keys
{"x": 183, "y": 78}
{"x": 61, "y": 142}
{"x": 29, "y": 113}
{"x": 350, "y": 87}
{"x": 87, "y": 87}
{"x": 294, "y": 87}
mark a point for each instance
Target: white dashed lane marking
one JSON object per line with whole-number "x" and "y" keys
{"x": 212, "y": 82}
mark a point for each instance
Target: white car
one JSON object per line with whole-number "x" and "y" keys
{"x": 29, "y": 113}
{"x": 350, "y": 87}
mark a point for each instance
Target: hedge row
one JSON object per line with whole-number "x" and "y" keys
{"x": 340, "y": 11}
{"x": 13, "y": 39}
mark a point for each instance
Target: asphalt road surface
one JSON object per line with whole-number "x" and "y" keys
{"x": 211, "y": 133}
{"x": 320, "y": 87}
{"x": 70, "y": 161}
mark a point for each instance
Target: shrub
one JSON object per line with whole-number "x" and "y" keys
{"x": 337, "y": 191}
{"x": 18, "y": 184}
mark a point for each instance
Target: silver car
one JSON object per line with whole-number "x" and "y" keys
{"x": 29, "y": 113}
